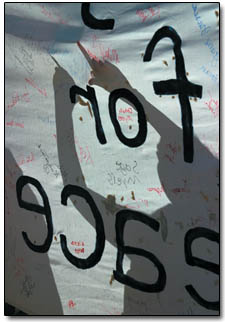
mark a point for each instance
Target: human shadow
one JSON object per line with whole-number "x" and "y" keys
{"x": 29, "y": 279}
{"x": 18, "y": 26}
{"x": 68, "y": 157}
{"x": 192, "y": 190}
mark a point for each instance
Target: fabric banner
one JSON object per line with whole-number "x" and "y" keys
{"x": 112, "y": 158}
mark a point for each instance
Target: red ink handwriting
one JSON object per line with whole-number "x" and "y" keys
{"x": 213, "y": 106}
{"x": 10, "y": 183}
{"x": 32, "y": 83}
{"x": 172, "y": 151}
{"x": 110, "y": 54}
{"x": 12, "y": 171}
{"x": 92, "y": 55}
{"x": 176, "y": 190}
{"x": 113, "y": 56}
{"x": 126, "y": 110}
{"x": 137, "y": 203}
{"x": 52, "y": 16}
{"x": 27, "y": 159}
{"x": 19, "y": 266}
{"x": 71, "y": 304}
{"x": 84, "y": 153}
{"x": 79, "y": 250}
{"x": 77, "y": 243}
{"x": 16, "y": 98}
{"x": 183, "y": 189}
{"x": 12, "y": 123}
{"x": 125, "y": 118}
{"x": 157, "y": 190}
{"x": 148, "y": 13}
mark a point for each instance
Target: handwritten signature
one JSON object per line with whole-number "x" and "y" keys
{"x": 125, "y": 174}
{"x": 148, "y": 13}
{"x": 48, "y": 167}
{"x": 172, "y": 149}
{"x": 110, "y": 54}
{"x": 32, "y": 83}
{"x": 16, "y": 98}
{"x": 137, "y": 203}
{"x": 52, "y": 16}
{"x": 27, "y": 286}
{"x": 84, "y": 153}
{"x": 213, "y": 106}
{"x": 71, "y": 304}
{"x": 79, "y": 250}
{"x": 158, "y": 190}
{"x": 27, "y": 159}
{"x": 12, "y": 123}
{"x": 77, "y": 243}
{"x": 204, "y": 29}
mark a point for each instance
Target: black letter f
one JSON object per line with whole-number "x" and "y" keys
{"x": 180, "y": 86}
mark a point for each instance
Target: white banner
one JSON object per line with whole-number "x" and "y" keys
{"x": 111, "y": 158}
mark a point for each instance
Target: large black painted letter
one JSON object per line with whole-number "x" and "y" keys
{"x": 95, "y": 257}
{"x": 190, "y": 236}
{"x": 46, "y": 211}
{"x": 90, "y": 95}
{"x": 90, "y": 21}
{"x": 180, "y": 86}
{"x": 121, "y": 218}
{"x": 142, "y": 133}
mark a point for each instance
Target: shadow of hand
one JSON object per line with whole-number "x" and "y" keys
{"x": 104, "y": 74}
{"x": 62, "y": 82}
